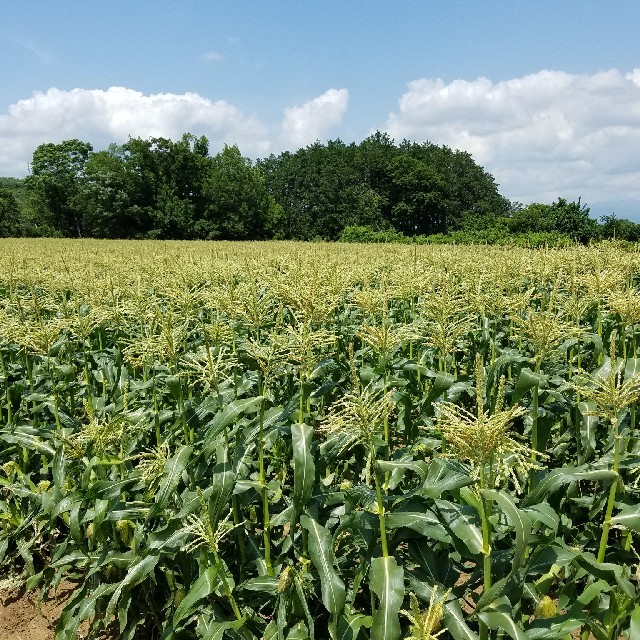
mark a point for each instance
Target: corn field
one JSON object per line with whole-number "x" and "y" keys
{"x": 290, "y": 441}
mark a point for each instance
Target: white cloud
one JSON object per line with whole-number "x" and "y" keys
{"x": 544, "y": 135}
{"x": 101, "y": 117}
{"x": 213, "y": 56}
{"x": 304, "y": 124}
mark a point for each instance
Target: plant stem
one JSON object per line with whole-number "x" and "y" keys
{"x": 612, "y": 497}
{"x": 381, "y": 515}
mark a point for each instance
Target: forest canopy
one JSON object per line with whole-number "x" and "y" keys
{"x": 164, "y": 189}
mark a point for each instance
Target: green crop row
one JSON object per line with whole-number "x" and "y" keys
{"x": 280, "y": 440}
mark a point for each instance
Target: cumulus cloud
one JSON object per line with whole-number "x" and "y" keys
{"x": 543, "y": 135}
{"x": 306, "y": 123}
{"x": 102, "y": 117}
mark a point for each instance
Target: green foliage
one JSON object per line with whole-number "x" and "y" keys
{"x": 568, "y": 218}
{"x": 57, "y": 171}
{"x": 288, "y": 440}
{"x": 164, "y": 189}
{"x": 366, "y": 234}
{"x": 614, "y": 228}
{"x": 9, "y": 214}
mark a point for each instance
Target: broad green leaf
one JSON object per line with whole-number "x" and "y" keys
{"x": 350, "y": 624}
{"x": 518, "y": 520}
{"x": 503, "y": 620}
{"x": 222, "y": 484}
{"x": 425, "y": 523}
{"x": 557, "y": 628}
{"x": 224, "y": 418}
{"x": 588, "y": 428}
{"x": 455, "y": 623}
{"x": 386, "y": 580}
{"x": 28, "y": 441}
{"x": 68, "y": 623}
{"x": 606, "y": 571}
{"x": 321, "y": 552}
{"x": 298, "y": 632}
{"x": 628, "y": 517}
{"x": 438, "y": 566}
{"x": 444, "y": 475}
{"x": 544, "y": 513}
{"x": 204, "y": 586}
{"x": 171, "y": 475}
{"x": 271, "y": 632}
{"x": 108, "y": 490}
{"x": 266, "y": 584}
{"x": 564, "y": 475}
{"x": 398, "y": 468}
{"x": 209, "y": 629}
{"x": 136, "y": 574}
{"x": 303, "y": 465}
{"x": 441, "y": 384}
{"x": 634, "y": 626}
{"x": 527, "y": 380}
{"x": 463, "y": 522}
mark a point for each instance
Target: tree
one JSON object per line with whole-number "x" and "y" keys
{"x": 419, "y": 204}
{"x": 9, "y": 215}
{"x": 616, "y": 228}
{"x": 569, "y": 218}
{"x": 169, "y": 179}
{"x": 238, "y": 205}
{"x": 57, "y": 171}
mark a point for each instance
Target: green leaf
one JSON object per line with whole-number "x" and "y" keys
{"x": 463, "y": 522}
{"x": 68, "y": 623}
{"x": 502, "y": 620}
{"x": 173, "y": 469}
{"x": 425, "y": 523}
{"x": 438, "y": 566}
{"x": 634, "y": 626}
{"x": 209, "y": 629}
{"x": 304, "y": 469}
{"x": 628, "y": 517}
{"x": 136, "y": 574}
{"x": 527, "y": 380}
{"x": 322, "y": 556}
{"x": 386, "y": 580}
{"x": 606, "y": 571}
{"x": 545, "y": 514}
{"x": 557, "y": 628}
{"x": 224, "y": 418}
{"x": 565, "y": 475}
{"x": 444, "y": 475}
{"x": 518, "y": 520}
{"x": 350, "y": 624}
{"x": 454, "y": 621}
{"x": 28, "y": 441}
{"x": 204, "y": 586}
{"x": 397, "y": 469}
{"x": 441, "y": 383}
{"x": 588, "y": 428}
{"x": 266, "y": 584}
{"x": 222, "y": 484}
{"x": 298, "y": 632}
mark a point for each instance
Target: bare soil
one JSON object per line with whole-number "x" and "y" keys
{"x": 22, "y": 619}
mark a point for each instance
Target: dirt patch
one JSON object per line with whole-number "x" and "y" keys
{"x": 22, "y": 619}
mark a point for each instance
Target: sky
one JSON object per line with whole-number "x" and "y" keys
{"x": 544, "y": 94}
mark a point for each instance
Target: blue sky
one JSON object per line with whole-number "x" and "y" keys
{"x": 543, "y": 94}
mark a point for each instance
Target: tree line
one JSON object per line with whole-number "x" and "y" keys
{"x": 164, "y": 189}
